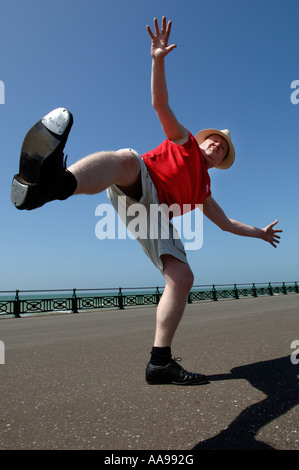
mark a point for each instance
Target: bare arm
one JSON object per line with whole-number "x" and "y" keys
{"x": 214, "y": 212}
{"x": 173, "y": 129}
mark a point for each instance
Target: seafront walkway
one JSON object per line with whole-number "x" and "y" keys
{"x": 77, "y": 381}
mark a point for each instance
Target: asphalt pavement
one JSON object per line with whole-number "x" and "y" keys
{"x": 77, "y": 381}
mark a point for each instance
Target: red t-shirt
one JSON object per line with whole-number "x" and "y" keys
{"x": 179, "y": 173}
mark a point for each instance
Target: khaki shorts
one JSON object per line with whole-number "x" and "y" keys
{"x": 162, "y": 243}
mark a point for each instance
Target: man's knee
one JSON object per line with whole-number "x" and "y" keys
{"x": 129, "y": 178}
{"x": 178, "y": 274}
{"x": 129, "y": 166}
{"x": 185, "y": 278}
{"x": 128, "y": 159}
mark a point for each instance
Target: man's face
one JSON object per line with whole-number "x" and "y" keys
{"x": 215, "y": 149}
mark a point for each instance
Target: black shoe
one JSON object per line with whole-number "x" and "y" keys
{"x": 172, "y": 373}
{"x": 42, "y": 172}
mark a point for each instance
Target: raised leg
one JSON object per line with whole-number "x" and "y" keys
{"x": 98, "y": 171}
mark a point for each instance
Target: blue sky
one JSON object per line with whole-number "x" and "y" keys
{"x": 233, "y": 68}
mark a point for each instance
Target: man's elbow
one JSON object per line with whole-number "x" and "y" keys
{"x": 226, "y": 226}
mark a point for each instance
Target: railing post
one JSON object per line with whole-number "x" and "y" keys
{"x": 120, "y": 299}
{"x": 270, "y": 289}
{"x": 157, "y": 295}
{"x": 284, "y": 289}
{"x": 254, "y": 290}
{"x": 74, "y": 302}
{"x": 189, "y": 298}
{"x": 236, "y": 291}
{"x": 16, "y": 306}
{"x": 296, "y": 287}
{"x": 214, "y": 293}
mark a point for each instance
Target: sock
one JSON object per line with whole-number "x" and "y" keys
{"x": 67, "y": 186}
{"x": 160, "y": 356}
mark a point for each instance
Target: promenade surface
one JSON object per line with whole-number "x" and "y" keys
{"x": 76, "y": 381}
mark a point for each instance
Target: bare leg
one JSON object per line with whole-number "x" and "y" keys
{"x": 179, "y": 280}
{"x": 98, "y": 171}
{"x": 162, "y": 368}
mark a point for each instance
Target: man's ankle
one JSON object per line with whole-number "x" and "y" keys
{"x": 67, "y": 186}
{"x": 160, "y": 356}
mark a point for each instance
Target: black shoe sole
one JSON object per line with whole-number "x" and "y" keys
{"x": 199, "y": 381}
{"x": 185, "y": 384}
{"x": 40, "y": 145}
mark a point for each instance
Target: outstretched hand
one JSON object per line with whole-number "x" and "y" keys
{"x": 160, "y": 48}
{"x": 270, "y": 234}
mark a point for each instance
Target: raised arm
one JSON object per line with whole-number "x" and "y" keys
{"x": 214, "y": 212}
{"x": 173, "y": 129}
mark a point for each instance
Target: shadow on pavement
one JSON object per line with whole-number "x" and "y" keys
{"x": 278, "y": 379}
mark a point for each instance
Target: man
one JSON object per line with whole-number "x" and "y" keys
{"x": 176, "y": 172}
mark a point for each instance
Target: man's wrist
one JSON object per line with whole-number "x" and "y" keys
{"x": 158, "y": 60}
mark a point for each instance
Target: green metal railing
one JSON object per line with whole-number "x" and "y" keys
{"x": 75, "y": 300}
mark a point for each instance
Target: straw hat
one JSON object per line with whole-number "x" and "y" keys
{"x": 229, "y": 159}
